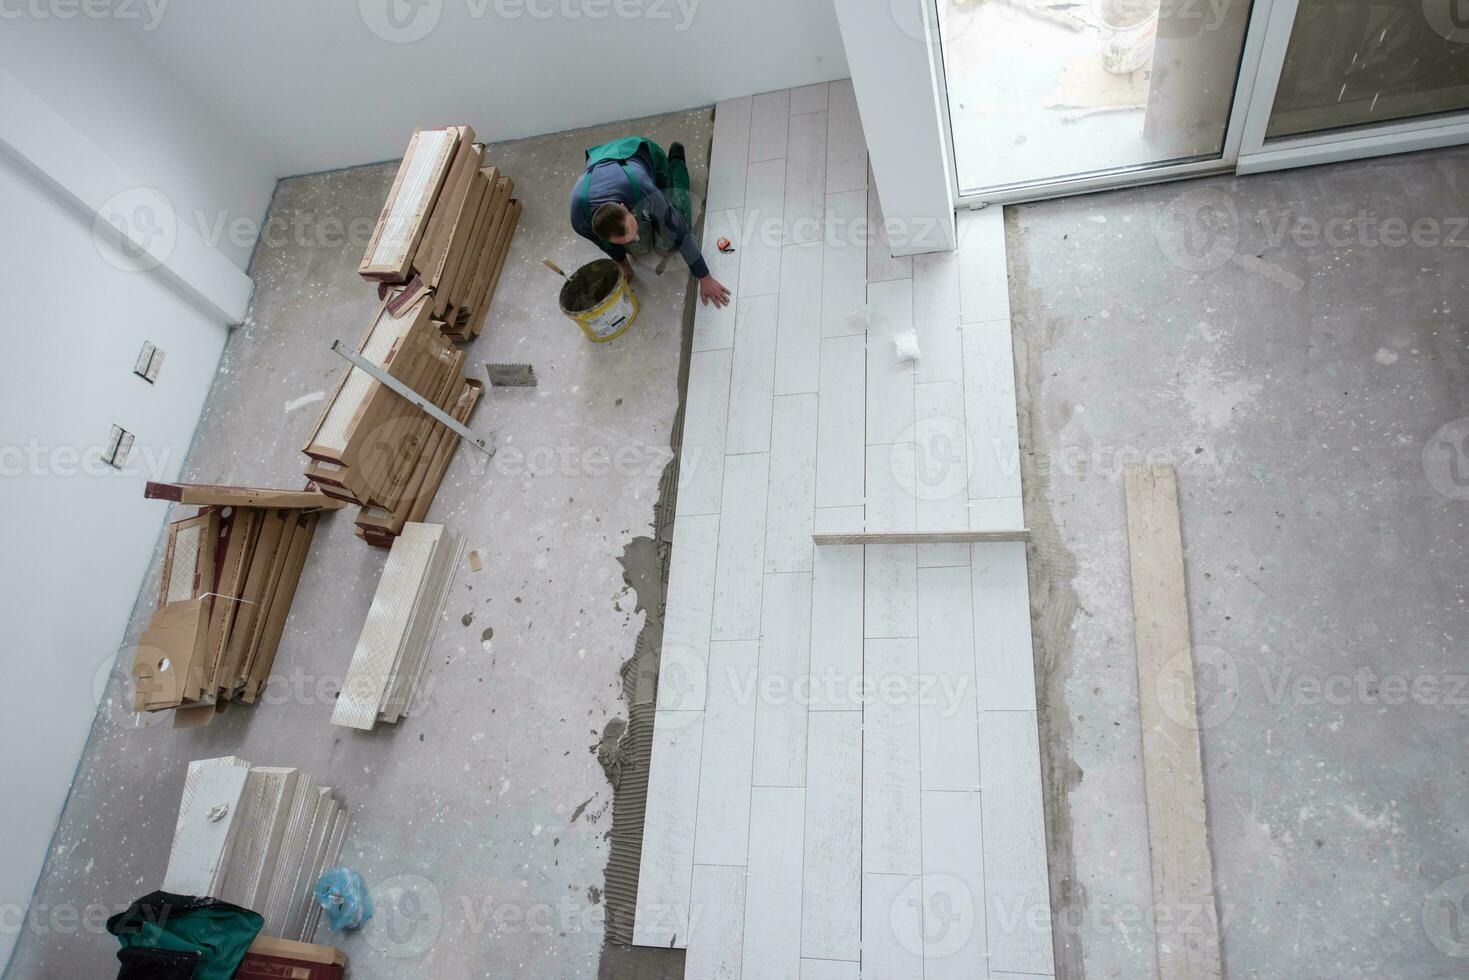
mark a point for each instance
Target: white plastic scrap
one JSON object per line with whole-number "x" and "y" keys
{"x": 907, "y": 346}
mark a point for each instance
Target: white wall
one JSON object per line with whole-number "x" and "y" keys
{"x": 79, "y": 536}
{"x": 318, "y": 89}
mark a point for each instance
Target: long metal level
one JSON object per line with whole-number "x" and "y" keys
{"x": 454, "y": 425}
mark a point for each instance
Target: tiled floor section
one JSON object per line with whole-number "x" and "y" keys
{"x": 846, "y": 777}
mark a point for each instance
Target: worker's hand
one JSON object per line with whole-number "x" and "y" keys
{"x": 711, "y": 290}
{"x": 626, "y": 268}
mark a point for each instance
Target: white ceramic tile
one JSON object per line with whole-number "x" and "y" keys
{"x": 714, "y": 325}
{"x": 839, "y": 520}
{"x": 996, "y": 514}
{"x": 844, "y": 265}
{"x": 890, "y": 758}
{"x": 739, "y": 567}
{"x": 769, "y": 117}
{"x": 891, "y": 501}
{"x": 730, "y": 152}
{"x": 805, "y": 180}
{"x": 955, "y": 941}
{"x": 729, "y": 750}
{"x": 831, "y": 900}
{"x": 889, "y": 380}
{"x": 890, "y": 591}
{"x": 1003, "y": 659}
{"x": 666, "y": 873}
{"x": 840, "y": 448}
{"x": 892, "y": 927}
{"x": 763, "y": 228}
{"x": 943, "y": 555}
{"x": 846, "y": 156}
{"x": 984, "y": 288}
{"x": 882, "y": 265}
{"x": 830, "y": 969}
{"x": 948, "y": 714}
{"x": 772, "y": 947}
{"x": 706, "y": 414}
{"x": 808, "y": 98}
{"x": 785, "y": 663}
{"x": 936, "y": 316}
{"x": 752, "y": 376}
{"x": 690, "y": 604}
{"x": 989, "y": 411}
{"x": 941, "y": 457}
{"x": 836, "y": 628}
{"x": 1017, "y": 901}
{"x": 716, "y": 924}
{"x": 790, "y": 504}
{"x": 798, "y": 346}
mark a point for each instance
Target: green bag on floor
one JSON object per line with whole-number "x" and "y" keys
{"x": 217, "y": 931}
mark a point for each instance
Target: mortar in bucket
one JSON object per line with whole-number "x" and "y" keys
{"x": 598, "y": 299}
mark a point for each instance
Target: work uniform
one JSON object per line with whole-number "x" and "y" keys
{"x": 635, "y": 173}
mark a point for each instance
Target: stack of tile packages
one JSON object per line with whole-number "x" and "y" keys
{"x": 375, "y": 448}
{"x": 257, "y": 836}
{"x": 399, "y": 631}
{"x": 229, "y": 575}
{"x": 445, "y": 230}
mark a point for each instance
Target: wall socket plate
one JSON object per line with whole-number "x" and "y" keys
{"x": 149, "y": 363}
{"x": 119, "y": 446}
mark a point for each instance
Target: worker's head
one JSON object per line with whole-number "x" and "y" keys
{"x": 614, "y": 223}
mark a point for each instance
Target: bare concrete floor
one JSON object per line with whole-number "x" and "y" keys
{"x": 480, "y": 822}
{"x": 1298, "y": 373}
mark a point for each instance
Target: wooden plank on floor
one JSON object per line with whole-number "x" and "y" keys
{"x": 989, "y": 410}
{"x": 717, "y": 923}
{"x": 791, "y": 502}
{"x": 955, "y": 945}
{"x": 739, "y": 567}
{"x": 798, "y": 344}
{"x": 984, "y": 287}
{"x": 943, "y": 547}
{"x": 889, "y": 380}
{"x": 770, "y": 116}
{"x": 844, "y": 265}
{"x": 729, "y": 154}
{"x": 763, "y": 229}
{"x": 714, "y": 326}
{"x": 831, "y": 898}
{"x": 1018, "y": 896}
{"x": 836, "y": 629}
{"x": 840, "y": 446}
{"x": 890, "y": 759}
{"x": 948, "y": 715}
{"x": 892, "y": 927}
{"x": 665, "y": 875}
{"x": 729, "y": 752}
{"x": 752, "y": 377}
{"x": 772, "y": 940}
{"x": 683, "y": 666}
{"x": 940, "y": 456}
{"x": 890, "y": 591}
{"x": 936, "y": 316}
{"x": 805, "y": 181}
{"x": 785, "y": 663}
{"x": 846, "y": 147}
{"x": 1173, "y": 777}
{"x": 706, "y": 414}
{"x": 1004, "y": 662}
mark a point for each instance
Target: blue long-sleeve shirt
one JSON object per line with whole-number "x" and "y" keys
{"x": 609, "y": 184}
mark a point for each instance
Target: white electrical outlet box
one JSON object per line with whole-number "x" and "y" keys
{"x": 150, "y": 361}
{"x": 119, "y": 445}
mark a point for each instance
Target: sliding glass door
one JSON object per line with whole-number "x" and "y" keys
{"x": 1050, "y": 97}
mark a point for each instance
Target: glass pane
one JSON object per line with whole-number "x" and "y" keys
{"x": 1352, "y": 63}
{"x": 1047, "y": 89}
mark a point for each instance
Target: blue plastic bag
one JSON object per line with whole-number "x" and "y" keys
{"x": 344, "y": 895}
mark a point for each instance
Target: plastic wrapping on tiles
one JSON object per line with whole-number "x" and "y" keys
{"x": 344, "y": 896}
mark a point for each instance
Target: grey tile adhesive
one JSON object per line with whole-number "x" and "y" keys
{"x": 400, "y": 627}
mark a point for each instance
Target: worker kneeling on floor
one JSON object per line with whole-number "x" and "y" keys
{"x": 632, "y": 198}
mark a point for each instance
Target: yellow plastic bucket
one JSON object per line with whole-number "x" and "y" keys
{"x": 598, "y": 299}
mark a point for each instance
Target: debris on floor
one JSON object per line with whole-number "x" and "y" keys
{"x": 256, "y": 836}
{"x": 229, "y": 576}
{"x": 383, "y": 676}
